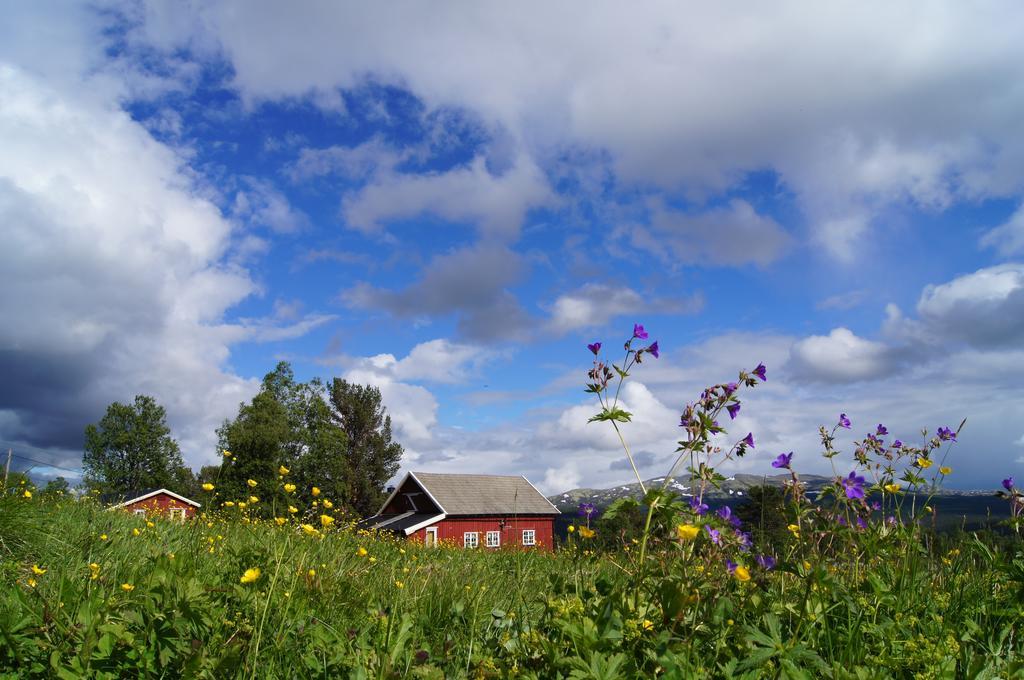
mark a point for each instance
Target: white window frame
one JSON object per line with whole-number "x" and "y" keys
{"x": 178, "y": 514}
{"x": 139, "y": 512}
{"x": 493, "y": 539}
{"x": 471, "y": 539}
{"x": 430, "y": 538}
{"x": 529, "y": 537}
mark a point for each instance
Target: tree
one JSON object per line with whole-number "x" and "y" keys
{"x": 287, "y": 423}
{"x": 766, "y": 515}
{"x": 131, "y": 448}
{"x": 58, "y": 486}
{"x": 371, "y": 456}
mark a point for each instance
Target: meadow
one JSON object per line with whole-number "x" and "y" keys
{"x": 87, "y": 592}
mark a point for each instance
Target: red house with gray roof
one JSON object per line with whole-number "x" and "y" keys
{"x": 154, "y": 503}
{"x": 468, "y": 511}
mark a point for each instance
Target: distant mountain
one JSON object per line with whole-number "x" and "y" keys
{"x": 733, "y": 489}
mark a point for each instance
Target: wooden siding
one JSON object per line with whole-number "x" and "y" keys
{"x": 451, "y": 529}
{"x": 161, "y": 505}
{"x": 400, "y": 503}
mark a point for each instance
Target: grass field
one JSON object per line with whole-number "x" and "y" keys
{"x": 120, "y": 597}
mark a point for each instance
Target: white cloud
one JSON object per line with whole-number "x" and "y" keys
{"x": 595, "y": 304}
{"x": 471, "y": 194}
{"x": 841, "y": 356}
{"x": 1008, "y": 238}
{"x": 984, "y": 308}
{"x": 261, "y": 204}
{"x": 928, "y": 116}
{"x": 118, "y": 272}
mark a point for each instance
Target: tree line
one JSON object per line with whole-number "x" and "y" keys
{"x": 335, "y": 436}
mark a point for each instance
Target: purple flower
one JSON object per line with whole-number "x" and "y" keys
{"x": 881, "y": 431}
{"x": 730, "y": 388}
{"x": 639, "y": 332}
{"x": 854, "y": 485}
{"x": 733, "y": 409}
{"x": 684, "y": 420}
{"x": 653, "y": 349}
{"x": 715, "y": 534}
{"x": 760, "y": 372}
{"x": 587, "y": 509}
{"x": 1008, "y": 483}
{"x": 749, "y": 440}
{"x": 595, "y": 348}
{"x": 841, "y": 521}
{"x": 897, "y": 444}
{"x": 783, "y": 460}
{"x": 746, "y": 540}
{"x": 730, "y": 565}
{"x": 698, "y": 507}
{"x": 766, "y": 562}
{"x": 844, "y": 421}
{"x": 861, "y": 523}
{"x": 876, "y": 506}
{"x": 725, "y": 512}
{"x": 946, "y": 434}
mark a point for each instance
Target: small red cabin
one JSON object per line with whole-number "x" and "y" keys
{"x": 157, "y": 502}
{"x": 468, "y": 511}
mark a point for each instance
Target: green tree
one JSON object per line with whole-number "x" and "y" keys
{"x": 766, "y": 515}
{"x": 58, "y": 486}
{"x": 287, "y": 423}
{"x": 131, "y": 448}
{"x": 371, "y": 455}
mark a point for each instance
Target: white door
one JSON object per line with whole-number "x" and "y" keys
{"x": 430, "y": 539}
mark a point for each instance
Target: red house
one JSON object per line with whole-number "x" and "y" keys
{"x": 469, "y": 511}
{"x": 155, "y": 502}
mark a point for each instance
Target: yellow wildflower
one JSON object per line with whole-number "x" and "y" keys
{"x": 282, "y": 470}
{"x": 290, "y": 488}
{"x": 328, "y": 504}
{"x": 741, "y": 573}
{"x": 316, "y": 491}
{"x": 31, "y": 582}
{"x": 251, "y": 482}
{"x": 648, "y": 624}
{"x": 586, "y": 532}
{"x": 292, "y": 509}
{"x": 807, "y": 565}
{"x": 311, "y": 573}
{"x": 254, "y": 499}
{"x": 136, "y": 532}
{"x": 309, "y": 530}
{"x": 150, "y": 524}
{"x": 229, "y": 504}
{"x": 372, "y": 560}
{"x": 227, "y": 454}
{"x": 37, "y": 571}
{"x": 127, "y": 587}
{"x": 401, "y": 551}
{"x": 170, "y": 556}
{"x": 361, "y": 552}
{"x": 687, "y": 532}
{"x": 103, "y": 537}
{"x": 208, "y": 487}
{"x": 250, "y": 575}
{"x": 572, "y": 528}
{"x": 280, "y": 520}
{"x": 94, "y": 571}
{"x": 326, "y": 520}
{"x": 794, "y": 529}
{"x": 892, "y": 487}
{"x": 241, "y": 504}
{"x": 27, "y": 494}
{"x": 924, "y": 463}
{"x": 945, "y": 470}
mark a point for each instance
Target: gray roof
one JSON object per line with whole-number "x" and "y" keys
{"x": 485, "y": 494}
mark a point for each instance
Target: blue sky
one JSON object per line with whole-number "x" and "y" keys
{"x": 451, "y": 201}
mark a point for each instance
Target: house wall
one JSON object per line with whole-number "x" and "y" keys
{"x": 451, "y": 530}
{"x": 161, "y": 505}
{"x": 401, "y": 502}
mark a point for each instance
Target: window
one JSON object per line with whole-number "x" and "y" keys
{"x": 529, "y": 537}
{"x": 471, "y": 539}
{"x": 140, "y": 512}
{"x": 493, "y": 539}
{"x": 178, "y": 514}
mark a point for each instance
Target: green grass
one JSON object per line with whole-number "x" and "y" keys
{"x": 873, "y": 604}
